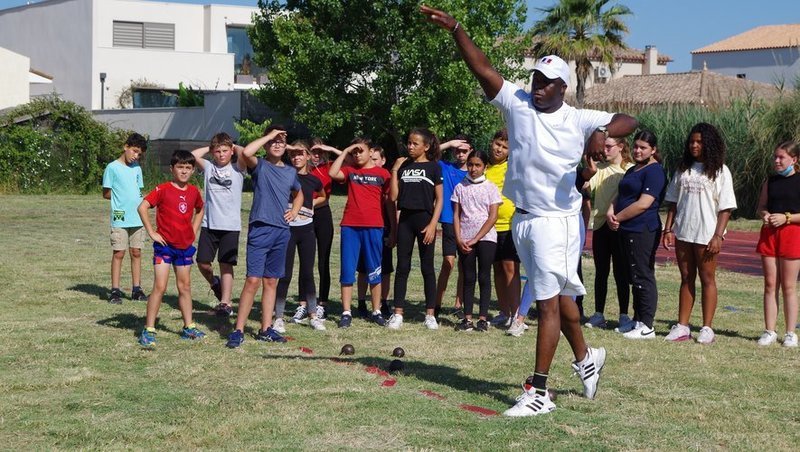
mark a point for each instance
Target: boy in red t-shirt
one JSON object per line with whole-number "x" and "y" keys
{"x": 179, "y": 212}
{"x": 362, "y": 224}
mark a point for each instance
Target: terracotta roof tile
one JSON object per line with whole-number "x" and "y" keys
{"x": 766, "y": 37}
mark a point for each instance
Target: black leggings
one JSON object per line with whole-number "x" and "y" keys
{"x": 302, "y": 238}
{"x": 409, "y": 227}
{"x": 607, "y": 251}
{"x": 323, "y": 228}
{"x": 483, "y": 252}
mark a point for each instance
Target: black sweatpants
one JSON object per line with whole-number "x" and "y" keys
{"x": 409, "y": 228}
{"x": 323, "y": 228}
{"x": 302, "y": 238}
{"x": 482, "y": 254}
{"x": 607, "y": 251}
{"x": 640, "y": 249}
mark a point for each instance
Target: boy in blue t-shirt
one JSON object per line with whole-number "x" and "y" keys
{"x": 274, "y": 185}
{"x": 122, "y": 184}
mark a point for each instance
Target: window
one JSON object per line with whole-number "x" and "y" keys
{"x": 239, "y": 45}
{"x": 147, "y": 35}
{"x": 741, "y": 76}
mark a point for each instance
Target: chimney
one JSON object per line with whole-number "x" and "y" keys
{"x": 650, "y": 60}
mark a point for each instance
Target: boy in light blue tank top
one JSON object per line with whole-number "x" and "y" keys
{"x": 122, "y": 184}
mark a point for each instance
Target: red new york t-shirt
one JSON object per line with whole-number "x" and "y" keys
{"x": 366, "y": 189}
{"x": 174, "y": 211}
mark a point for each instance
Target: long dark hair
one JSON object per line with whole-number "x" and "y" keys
{"x": 713, "y": 150}
{"x": 429, "y": 138}
{"x": 649, "y": 138}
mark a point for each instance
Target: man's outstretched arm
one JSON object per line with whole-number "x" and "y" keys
{"x": 490, "y": 80}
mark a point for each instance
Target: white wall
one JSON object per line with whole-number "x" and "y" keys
{"x": 218, "y": 18}
{"x": 57, "y": 37}
{"x": 15, "y": 87}
{"x": 767, "y": 66}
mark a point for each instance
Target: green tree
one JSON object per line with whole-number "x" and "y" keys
{"x": 578, "y": 30}
{"x": 376, "y": 68}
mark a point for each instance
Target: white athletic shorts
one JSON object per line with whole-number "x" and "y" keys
{"x": 549, "y": 249}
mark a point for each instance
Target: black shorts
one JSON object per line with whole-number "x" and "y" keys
{"x": 449, "y": 246}
{"x": 506, "y": 251}
{"x": 212, "y": 240}
{"x": 387, "y": 262}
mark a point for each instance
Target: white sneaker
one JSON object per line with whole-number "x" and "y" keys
{"x": 597, "y": 320}
{"x": 430, "y": 322}
{"x": 680, "y": 333}
{"x": 640, "y": 332}
{"x": 625, "y": 324}
{"x": 318, "y": 324}
{"x": 530, "y": 403}
{"x": 500, "y": 319}
{"x": 300, "y": 314}
{"x": 768, "y": 338}
{"x": 589, "y": 370}
{"x": 320, "y": 312}
{"x": 279, "y": 325}
{"x": 790, "y": 340}
{"x": 516, "y": 329}
{"x": 395, "y": 322}
{"x": 706, "y": 335}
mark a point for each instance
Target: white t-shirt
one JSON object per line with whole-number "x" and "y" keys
{"x": 544, "y": 151}
{"x": 698, "y": 200}
{"x": 223, "y": 186}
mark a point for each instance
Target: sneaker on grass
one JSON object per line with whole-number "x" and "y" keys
{"x": 321, "y": 312}
{"x": 589, "y": 370}
{"x": 377, "y": 317}
{"x": 790, "y": 340}
{"x": 270, "y": 335}
{"x": 532, "y": 402}
{"x": 641, "y": 331}
{"x": 597, "y": 320}
{"x": 223, "y": 310}
{"x": 680, "y": 333}
{"x": 625, "y": 324}
{"x": 148, "y": 338}
{"x": 279, "y": 325}
{"x": 138, "y": 295}
{"x": 517, "y": 328}
{"x": 465, "y": 325}
{"x": 395, "y": 322}
{"x": 235, "y": 339}
{"x": 482, "y": 326}
{"x": 191, "y": 332}
{"x": 115, "y": 297}
{"x": 300, "y": 314}
{"x": 345, "y": 321}
{"x": 431, "y": 323}
{"x": 386, "y": 311}
{"x": 706, "y": 335}
{"x": 768, "y": 338}
{"x": 317, "y": 323}
{"x": 216, "y": 287}
{"x": 499, "y": 320}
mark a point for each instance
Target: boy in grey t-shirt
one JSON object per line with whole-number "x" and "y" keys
{"x": 222, "y": 222}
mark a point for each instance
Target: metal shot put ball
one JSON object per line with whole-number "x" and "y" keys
{"x": 347, "y": 349}
{"x": 398, "y": 352}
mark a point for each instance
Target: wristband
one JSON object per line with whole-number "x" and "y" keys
{"x": 788, "y": 217}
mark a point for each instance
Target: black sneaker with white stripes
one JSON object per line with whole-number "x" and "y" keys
{"x": 532, "y": 402}
{"x": 589, "y": 370}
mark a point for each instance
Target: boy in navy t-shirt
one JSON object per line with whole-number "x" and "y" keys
{"x": 362, "y": 224}
{"x": 274, "y": 185}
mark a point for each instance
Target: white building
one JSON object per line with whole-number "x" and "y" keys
{"x": 768, "y": 54}
{"x": 17, "y": 79}
{"x": 129, "y": 42}
{"x": 628, "y": 62}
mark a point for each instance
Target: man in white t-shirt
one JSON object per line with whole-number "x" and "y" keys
{"x": 547, "y": 139}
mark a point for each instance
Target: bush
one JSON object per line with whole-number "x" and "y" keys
{"x": 51, "y": 145}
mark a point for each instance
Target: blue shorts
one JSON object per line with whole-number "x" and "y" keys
{"x": 165, "y": 254}
{"x": 366, "y": 243}
{"x": 266, "y": 250}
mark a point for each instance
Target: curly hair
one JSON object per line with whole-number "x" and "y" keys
{"x": 714, "y": 150}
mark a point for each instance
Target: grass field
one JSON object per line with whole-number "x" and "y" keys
{"x": 72, "y": 375}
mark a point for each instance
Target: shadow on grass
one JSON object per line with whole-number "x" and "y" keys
{"x": 726, "y": 333}
{"x": 434, "y": 373}
{"x": 102, "y": 293}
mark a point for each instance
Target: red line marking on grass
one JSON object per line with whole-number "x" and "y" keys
{"x": 477, "y": 409}
{"x": 376, "y": 371}
{"x": 431, "y": 394}
{"x": 389, "y": 382}
{"x": 307, "y": 350}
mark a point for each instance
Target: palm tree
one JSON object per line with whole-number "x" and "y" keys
{"x": 579, "y": 29}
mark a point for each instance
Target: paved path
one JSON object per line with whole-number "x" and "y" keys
{"x": 738, "y": 253}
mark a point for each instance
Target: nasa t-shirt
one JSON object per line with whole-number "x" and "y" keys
{"x": 174, "y": 211}
{"x": 417, "y": 183}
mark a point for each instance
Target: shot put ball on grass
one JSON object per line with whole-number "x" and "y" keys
{"x": 398, "y": 352}
{"x": 347, "y": 349}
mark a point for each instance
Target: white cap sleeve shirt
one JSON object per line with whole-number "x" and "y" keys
{"x": 698, "y": 200}
{"x": 544, "y": 151}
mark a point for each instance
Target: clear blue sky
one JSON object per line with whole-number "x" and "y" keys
{"x": 675, "y": 27}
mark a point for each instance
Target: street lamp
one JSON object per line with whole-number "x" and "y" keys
{"x": 102, "y": 90}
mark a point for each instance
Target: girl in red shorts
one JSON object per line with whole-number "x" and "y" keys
{"x": 779, "y": 244}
